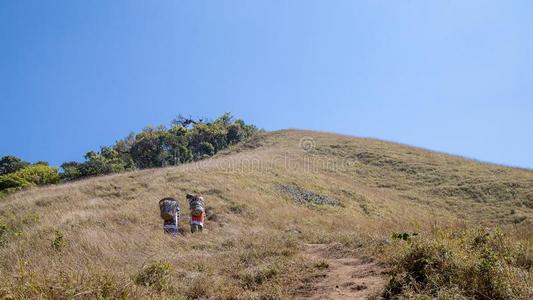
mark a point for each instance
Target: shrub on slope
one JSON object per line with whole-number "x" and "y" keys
{"x": 474, "y": 264}
{"x": 39, "y": 174}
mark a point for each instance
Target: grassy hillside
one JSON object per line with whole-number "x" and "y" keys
{"x": 270, "y": 202}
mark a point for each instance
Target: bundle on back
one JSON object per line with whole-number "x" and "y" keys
{"x": 168, "y": 208}
{"x": 196, "y": 206}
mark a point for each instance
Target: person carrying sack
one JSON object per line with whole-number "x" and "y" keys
{"x": 170, "y": 213}
{"x": 196, "y": 206}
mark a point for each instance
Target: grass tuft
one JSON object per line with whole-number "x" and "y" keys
{"x": 156, "y": 276}
{"x": 58, "y": 243}
{"x": 468, "y": 263}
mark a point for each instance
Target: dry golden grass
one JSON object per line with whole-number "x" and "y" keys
{"x": 102, "y": 237}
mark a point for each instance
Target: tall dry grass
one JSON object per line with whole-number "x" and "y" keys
{"x": 102, "y": 237}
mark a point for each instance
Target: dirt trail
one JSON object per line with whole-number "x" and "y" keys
{"x": 344, "y": 277}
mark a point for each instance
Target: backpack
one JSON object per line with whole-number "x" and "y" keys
{"x": 196, "y": 206}
{"x": 169, "y": 207}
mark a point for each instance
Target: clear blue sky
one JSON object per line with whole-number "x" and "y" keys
{"x": 453, "y": 76}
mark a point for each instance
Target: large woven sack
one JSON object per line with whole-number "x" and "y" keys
{"x": 168, "y": 208}
{"x": 196, "y": 206}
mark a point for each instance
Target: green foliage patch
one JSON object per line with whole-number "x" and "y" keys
{"x": 186, "y": 140}
{"x": 11, "y": 164}
{"x": 37, "y": 174}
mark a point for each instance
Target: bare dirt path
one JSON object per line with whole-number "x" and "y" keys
{"x": 345, "y": 277}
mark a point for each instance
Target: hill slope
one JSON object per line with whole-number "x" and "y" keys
{"x": 270, "y": 202}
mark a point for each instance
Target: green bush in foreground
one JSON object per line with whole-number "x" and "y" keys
{"x": 476, "y": 264}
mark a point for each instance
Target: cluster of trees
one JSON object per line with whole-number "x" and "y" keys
{"x": 186, "y": 140}
{"x": 16, "y": 174}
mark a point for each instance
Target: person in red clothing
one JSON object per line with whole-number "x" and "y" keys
{"x": 197, "y": 222}
{"x": 196, "y": 206}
